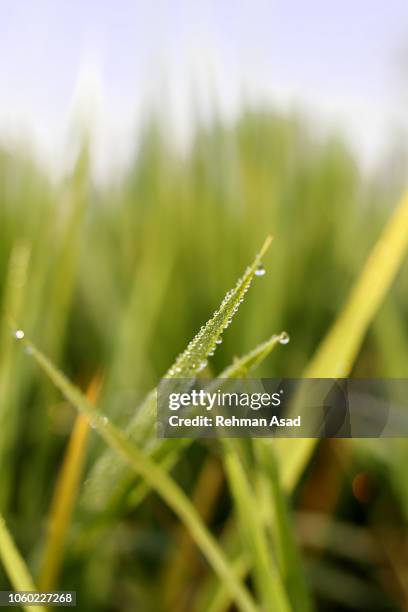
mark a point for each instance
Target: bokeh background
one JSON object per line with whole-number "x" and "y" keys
{"x": 146, "y": 150}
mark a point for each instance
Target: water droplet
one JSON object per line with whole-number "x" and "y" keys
{"x": 284, "y": 338}
{"x": 218, "y": 341}
{"x": 260, "y": 270}
{"x": 203, "y": 364}
{"x": 19, "y": 334}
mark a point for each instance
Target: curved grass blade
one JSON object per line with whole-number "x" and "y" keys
{"x": 101, "y": 494}
{"x": 336, "y": 355}
{"x": 194, "y": 359}
{"x": 159, "y": 480}
{"x": 338, "y": 351}
{"x": 141, "y": 428}
{"x": 15, "y": 566}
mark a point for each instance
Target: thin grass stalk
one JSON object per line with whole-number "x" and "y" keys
{"x": 15, "y": 566}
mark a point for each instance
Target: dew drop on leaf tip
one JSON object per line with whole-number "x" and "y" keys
{"x": 19, "y": 334}
{"x": 260, "y": 270}
{"x": 284, "y": 338}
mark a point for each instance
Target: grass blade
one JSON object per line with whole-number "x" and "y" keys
{"x": 193, "y": 359}
{"x": 65, "y": 495}
{"x": 269, "y": 585}
{"x": 159, "y": 480}
{"x": 100, "y": 494}
{"x": 128, "y": 493}
{"x": 337, "y": 353}
{"x": 15, "y": 567}
{"x": 13, "y": 304}
{"x": 108, "y": 468}
{"x": 278, "y": 520}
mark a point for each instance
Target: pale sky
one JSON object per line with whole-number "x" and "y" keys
{"x": 341, "y": 60}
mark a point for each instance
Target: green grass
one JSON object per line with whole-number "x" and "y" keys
{"x": 15, "y": 566}
{"x": 114, "y": 283}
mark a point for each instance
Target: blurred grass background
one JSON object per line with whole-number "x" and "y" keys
{"x": 114, "y": 281}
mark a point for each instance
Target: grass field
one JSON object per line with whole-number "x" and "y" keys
{"x": 111, "y": 284}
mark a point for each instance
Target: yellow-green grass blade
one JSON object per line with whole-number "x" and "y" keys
{"x": 130, "y": 492}
{"x": 101, "y": 495}
{"x": 159, "y": 480}
{"x": 15, "y": 566}
{"x": 338, "y": 351}
{"x": 274, "y": 506}
{"x": 219, "y": 600}
{"x": 15, "y": 290}
{"x": 193, "y": 359}
{"x": 268, "y": 581}
{"x": 65, "y": 495}
{"x": 141, "y": 428}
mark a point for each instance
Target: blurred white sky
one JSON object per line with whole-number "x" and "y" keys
{"x": 342, "y": 60}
